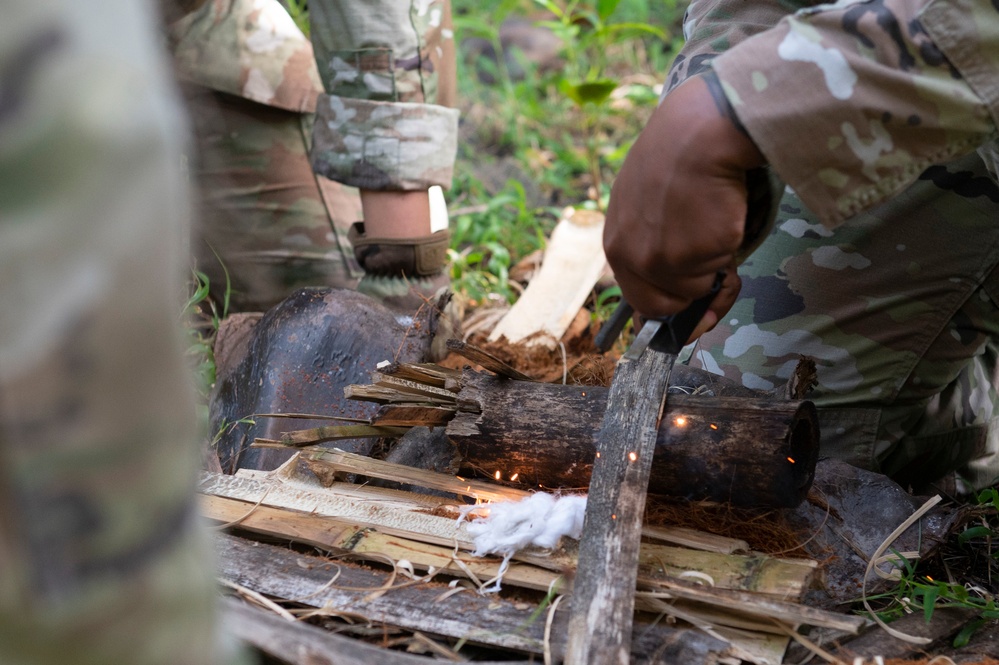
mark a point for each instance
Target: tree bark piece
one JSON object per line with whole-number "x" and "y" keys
{"x": 485, "y": 359}
{"x": 749, "y": 451}
{"x": 603, "y": 594}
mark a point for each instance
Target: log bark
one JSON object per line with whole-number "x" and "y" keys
{"x": 750, "y": 451}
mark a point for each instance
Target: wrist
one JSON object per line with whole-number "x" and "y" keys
{"x": 396, "y": 214}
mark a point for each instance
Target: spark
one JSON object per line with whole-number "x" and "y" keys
{"x": 791, "y": 460}
{"x": 680, "y": 421}
{"x": 632, "y": 456}
{"x": 598, "y": 454}
{"x": 497, "y": 475}
{"x": 713, "y": 426}
{"x": 614, "y": 517}
{"x": 514, "y": 477}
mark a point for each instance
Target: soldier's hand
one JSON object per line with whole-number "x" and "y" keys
{"x": 678, "y": 207}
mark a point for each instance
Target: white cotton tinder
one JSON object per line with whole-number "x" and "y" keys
{"x": 540, "y": 520}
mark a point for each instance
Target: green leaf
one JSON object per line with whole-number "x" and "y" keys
{"x": 929, "y": 599}
{"x": 606, "y": 7}
{"x": 551, "y": 6}
{"x": 974, "y": 532}
{"x": 963, "y": 637}
{"x": 634, "y": 30}
{"x": 589, "y": 92}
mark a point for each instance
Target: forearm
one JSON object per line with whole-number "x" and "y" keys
{"x": 851, "y": 104}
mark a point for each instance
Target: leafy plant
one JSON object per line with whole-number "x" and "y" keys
{"x": 201, "y": 319}
{"x": 588, "y": 35}
{"x": 921, "y": 592}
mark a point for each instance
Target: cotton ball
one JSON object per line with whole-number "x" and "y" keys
{"x": 565, "y": 519}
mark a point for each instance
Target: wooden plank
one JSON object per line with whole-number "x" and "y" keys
{"x": 603, "y": 598}
{"x": 391, "y": 512}
{"x": 487, "y": 620}
{"x": 573, "y": 262}
{"x": 486, "y": 360}
{"x": 302, "y": 643}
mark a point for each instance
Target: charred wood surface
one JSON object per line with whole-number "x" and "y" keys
{"x": 751, "y": 451}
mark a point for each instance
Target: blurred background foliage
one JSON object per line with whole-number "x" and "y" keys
{"x": 552, "y": 95}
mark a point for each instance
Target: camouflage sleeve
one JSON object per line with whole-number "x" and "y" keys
{"x": 711, "y": 27}
{"x": 248, "y": 48}
{"x": 384, "y": 123}
{"x": 851, "y": 102}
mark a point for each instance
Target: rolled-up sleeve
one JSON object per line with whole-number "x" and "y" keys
{"x": 382, "y": 123}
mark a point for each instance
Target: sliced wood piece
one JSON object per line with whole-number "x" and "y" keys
{"x": 391, "y": 511}
{"x": 427, "y": 373}
{"x": 745, "y": 450}
{"x": 382, "y": 395}
{"x": 396, "y": 415}
{"x": 573, "y": 262}
{"x": 603, "y": 593}
{"x": 421, "y": 390}
{"x": 308, "y": 437}
{"x": 486, "y": 360}
{"x": 346, "y": 462}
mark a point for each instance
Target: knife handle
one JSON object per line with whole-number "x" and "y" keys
{"x": 677, "y": 328}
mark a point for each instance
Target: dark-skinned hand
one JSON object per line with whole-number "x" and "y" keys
{"x": 678, "y": 207}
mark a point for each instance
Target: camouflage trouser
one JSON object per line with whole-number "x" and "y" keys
{"x": 900, "y": 310}
{"x": 271, "y": 222}
{"x": 388, "y": 67}
{"x": 101, "y": 561}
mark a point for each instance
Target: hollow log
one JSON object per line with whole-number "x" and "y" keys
{"x": 749, "y": 451}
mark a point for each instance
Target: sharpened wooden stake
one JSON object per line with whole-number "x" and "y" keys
{"x": 603, "y": 597}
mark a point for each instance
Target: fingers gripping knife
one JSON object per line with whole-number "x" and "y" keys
{"x": 603, "y": 596}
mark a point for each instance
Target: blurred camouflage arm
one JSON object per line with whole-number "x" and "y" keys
{"x": 711, "y": 27}
{"x": 383, "y": 124}
{"x": 851, "y": 103}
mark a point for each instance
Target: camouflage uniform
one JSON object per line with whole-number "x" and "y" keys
{"x": 385, "y": 125}
{"x": 870, "y": 110}
{"x": 101, "y": 560}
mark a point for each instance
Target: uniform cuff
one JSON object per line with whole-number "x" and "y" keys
{"x": 384, "y": 145}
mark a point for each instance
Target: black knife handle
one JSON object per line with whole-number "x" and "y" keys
{"x": 613, "y": 326}
{"x": 677, "y": 328}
